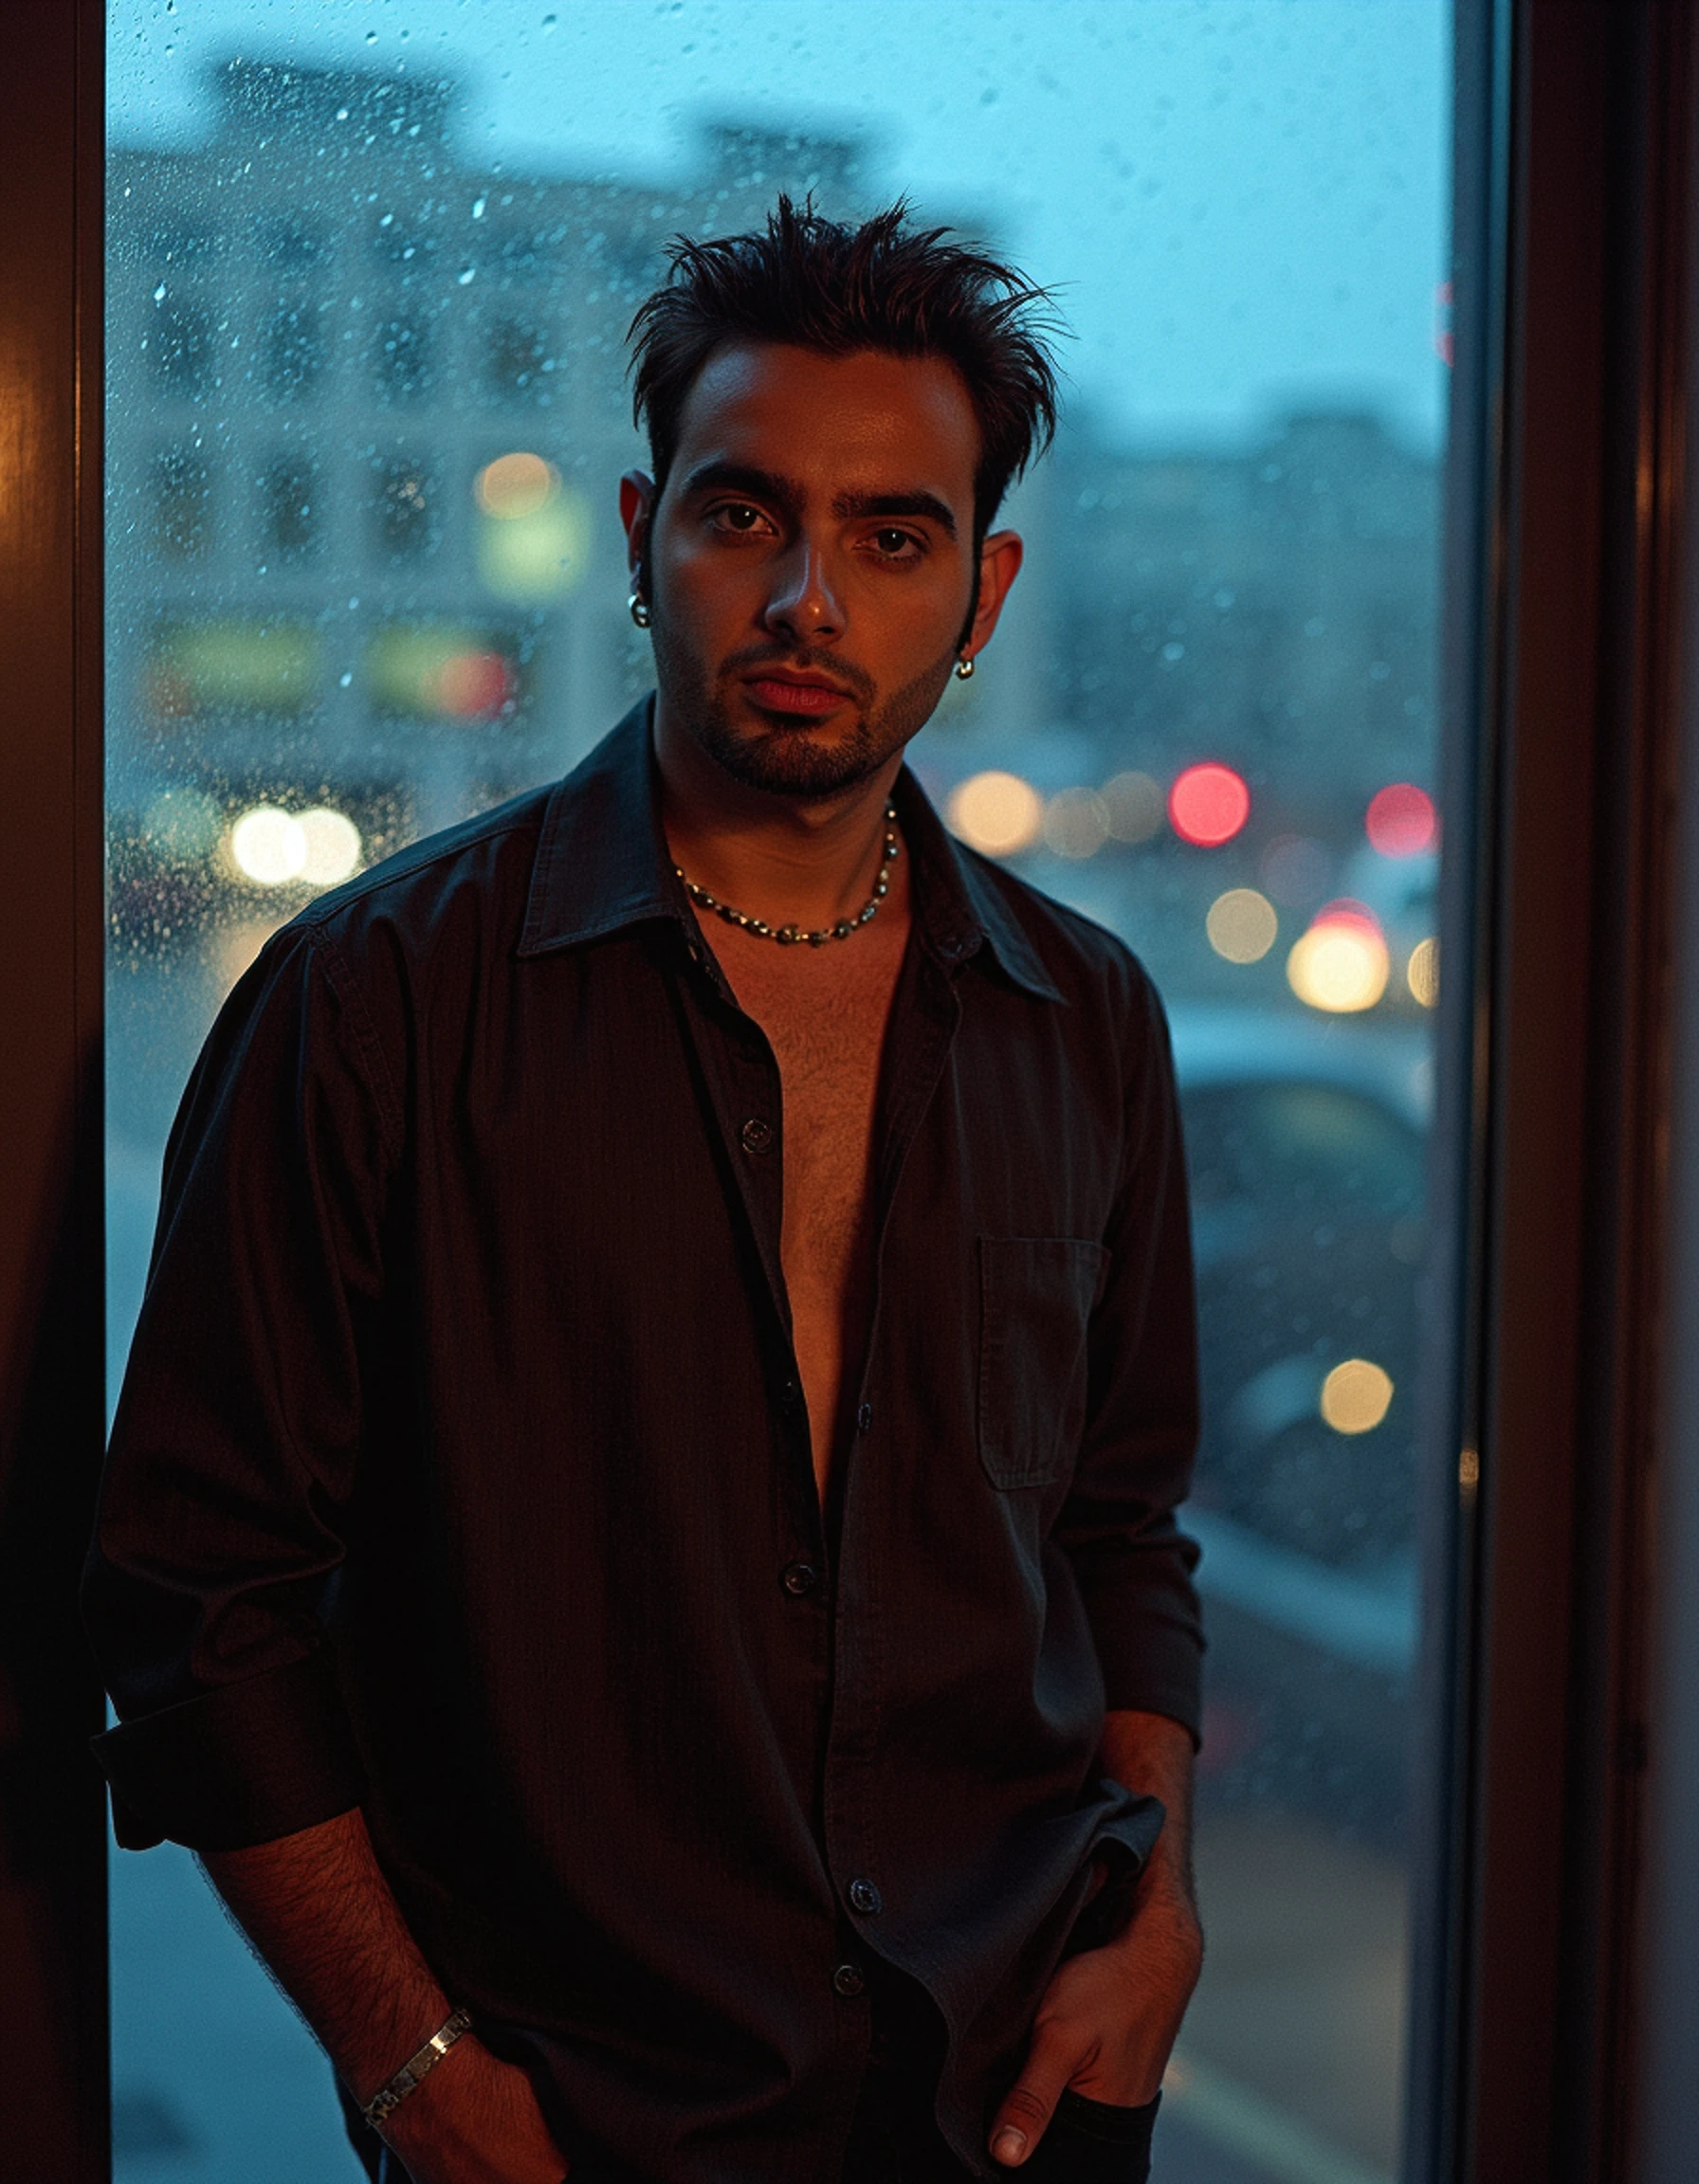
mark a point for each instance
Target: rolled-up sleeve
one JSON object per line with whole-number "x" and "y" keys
{"x": 1132, "y": 1562}
{"x": 234, "y": 1448}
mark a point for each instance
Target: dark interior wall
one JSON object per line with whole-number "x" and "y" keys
{"x": 53, "y": 1826}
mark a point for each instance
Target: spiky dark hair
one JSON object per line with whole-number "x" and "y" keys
{"x": 816, "y": 284}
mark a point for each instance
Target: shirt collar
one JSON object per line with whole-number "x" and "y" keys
{"x": 602, "y": 863}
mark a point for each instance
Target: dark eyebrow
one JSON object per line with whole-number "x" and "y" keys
{"x": 781, "y": 492}
{"x": 915, "y": 502}
{"x": 787, "y": 494}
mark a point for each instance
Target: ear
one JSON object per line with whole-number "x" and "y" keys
{"x": 1001, "y": 558}
{"x": 636, "y": 503}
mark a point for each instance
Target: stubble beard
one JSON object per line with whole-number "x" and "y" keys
{"x": 808, "y": 762}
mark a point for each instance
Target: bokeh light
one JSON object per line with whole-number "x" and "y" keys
{"x": 1341, "y": 964}
{"x": 1401, "y": 820}
{"x": 332, "y": 846}
{"x": 472, "y": 685}
{"x": 1421, "y": 973}
{"x": 515, "y": 485}
{"x": 1356, "y": 1396}
{"x": 1242, "y": 925}
{"x": 996, "y": 814}
{"x": 268, "y": 847}
{"x": 1076, "y": 823}
{"x": 1208, "y": 804}
{"x": 1134, "y": 803}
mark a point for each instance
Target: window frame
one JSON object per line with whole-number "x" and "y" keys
{"x": 52, "y": 1282}
{"x": 1564, "y": 572}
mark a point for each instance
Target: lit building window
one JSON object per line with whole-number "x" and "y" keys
{"x": 402, "y": 520}
{"x": 182, "y": 504}
{"x": 232, "y": 664}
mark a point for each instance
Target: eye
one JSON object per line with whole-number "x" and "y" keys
{"x": 891, "y": 544}
{"x": 738, "y": 516}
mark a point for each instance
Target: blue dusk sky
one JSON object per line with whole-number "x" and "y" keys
{"x": 1243, "y": 203}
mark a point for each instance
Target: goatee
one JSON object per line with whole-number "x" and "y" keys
{"x": 804, "y": 760}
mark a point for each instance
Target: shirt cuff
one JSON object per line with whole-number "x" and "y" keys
{"x": 245, "y": 1763}
{"x": 1152, "y": 1663}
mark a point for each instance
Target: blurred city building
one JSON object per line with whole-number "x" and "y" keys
{"x": 368, "y": 413}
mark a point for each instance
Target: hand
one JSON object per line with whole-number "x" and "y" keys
{"x": 474, "y": 2120}
{"x": 1108, "y": 2020}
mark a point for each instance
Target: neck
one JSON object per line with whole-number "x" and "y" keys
{"x": 785, "y": 860}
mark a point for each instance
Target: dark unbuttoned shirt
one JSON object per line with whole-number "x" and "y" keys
{"x": 463, "y": 1473}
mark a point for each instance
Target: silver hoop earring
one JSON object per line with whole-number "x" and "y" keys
{"x": 637, "y": 606}
{"x": 964, "y": 667}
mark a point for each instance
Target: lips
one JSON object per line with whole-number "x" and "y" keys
{"x": 786, "y": 694}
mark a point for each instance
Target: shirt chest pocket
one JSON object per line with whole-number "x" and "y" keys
{"x": 1035, "y": 1300}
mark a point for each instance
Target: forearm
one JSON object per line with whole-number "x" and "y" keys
{"x": 317, "y": 1907}
{"x": 1107, "y": 2022}
{"x": 1153, "y": 1755}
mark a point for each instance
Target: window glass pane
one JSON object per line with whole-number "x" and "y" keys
{"x": 370, "y": 275}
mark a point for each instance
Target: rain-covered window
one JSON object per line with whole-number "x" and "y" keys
{"x": 370, "y": 273}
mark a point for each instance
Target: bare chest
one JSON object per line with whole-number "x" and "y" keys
{"x": 825, "y": 1014}
{"x": 825, "y": 1023}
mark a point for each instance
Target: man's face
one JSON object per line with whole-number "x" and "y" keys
{"x": 811, "y": 560}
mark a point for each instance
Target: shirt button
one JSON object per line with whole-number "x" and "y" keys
{"x": 864, "y": 1898}
{"x": 798, "y": 1578}
{"x": 847, "y": 1979}
{"x": 757, "y": 1135}
{"x": 864, "y": 1418}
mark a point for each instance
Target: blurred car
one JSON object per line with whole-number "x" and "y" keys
{"x": 1307, "y": 1148}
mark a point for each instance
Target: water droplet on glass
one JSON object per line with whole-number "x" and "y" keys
{"x": 371, "y": 37}
{"x": 471, "y": 274}
{"x": 549, "y": 22}
{"x": 346, "y": 681}
{"x": 160, "y": 293}
{"x": 478, "y": 205}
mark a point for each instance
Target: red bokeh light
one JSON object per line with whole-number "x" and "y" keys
{"x": 473, "y": 685}
{"x": 1401, "y": 820}
{"x": 1356, "y": 916}
{"x": 1208, "y": 804}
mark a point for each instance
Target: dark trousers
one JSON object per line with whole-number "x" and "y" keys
{"x": 895, "y": 2139}
{"x": 893, "y": 2136}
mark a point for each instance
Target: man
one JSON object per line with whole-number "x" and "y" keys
{"x": 641, "y": 1512}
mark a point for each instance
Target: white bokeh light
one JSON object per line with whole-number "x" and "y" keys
{"x": 268, "y": 847}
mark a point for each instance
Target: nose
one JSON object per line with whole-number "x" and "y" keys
{"x": 804, "y": 607}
